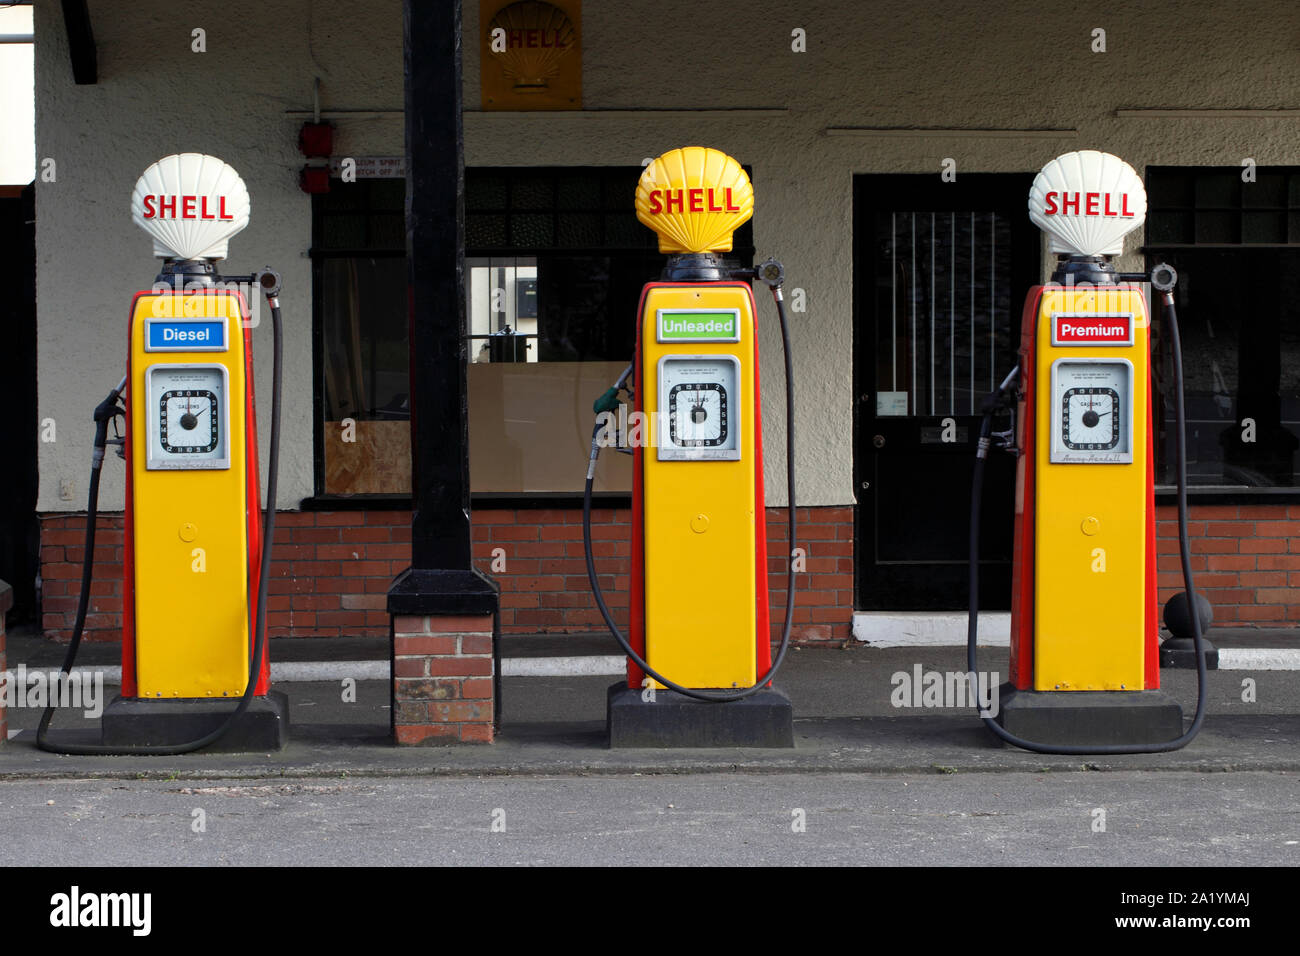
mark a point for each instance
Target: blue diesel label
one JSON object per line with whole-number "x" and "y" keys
{"x": 169, "y": 335}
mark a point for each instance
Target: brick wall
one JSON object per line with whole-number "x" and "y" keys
{"x": 1246, "y": 559}
{"x": 331, "y": 570}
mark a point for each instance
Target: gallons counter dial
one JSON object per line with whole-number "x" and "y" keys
{"x": 1092, "y": 413}
{"x": 188, "y": 416}
{"x": 698, "y": 410}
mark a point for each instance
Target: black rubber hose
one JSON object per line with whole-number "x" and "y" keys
{"x": 766, "y": 679}
{"x": 257, "y": 623}
{"x": 977, "y": 487}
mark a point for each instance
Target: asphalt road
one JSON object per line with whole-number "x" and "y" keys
{"x": 984, "y": 819}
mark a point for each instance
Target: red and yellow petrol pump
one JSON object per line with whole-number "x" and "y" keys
{"x": 699, "y": 596}
{"x": 1085, "y": 670}
{"x": 195, "y": 564}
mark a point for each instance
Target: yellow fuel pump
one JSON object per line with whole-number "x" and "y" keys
{"x": 196, "y": 555}
{"x": 1085, "y": 670}
{"x": 699, "y": 596}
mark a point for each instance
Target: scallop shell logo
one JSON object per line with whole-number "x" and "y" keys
{"x": 191, "y": 204}
{"x": 1087, "y": 202}
{"x": 724, "y": 199}
{"x": 530, "y": 67}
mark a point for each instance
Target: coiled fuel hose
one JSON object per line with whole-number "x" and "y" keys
{"x": 1163, "y": 278}
{"x": 773, "y": 278}
{"x": 257, "y": 621}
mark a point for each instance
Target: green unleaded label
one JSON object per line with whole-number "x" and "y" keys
{"x": 699, "y": 326}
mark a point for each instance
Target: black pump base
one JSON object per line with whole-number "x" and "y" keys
{"x": 133, "y": 722}
{"x": 1181, "y": 652}
{"x": 765, "y": 719}
{"x": 1085, "y": 717}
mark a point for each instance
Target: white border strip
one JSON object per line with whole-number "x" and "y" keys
{"x": 293, "y": 671}
{"x": 606, "y": 666}
{"x": 1259, "y": 659}
{"x": 928, "y": 629}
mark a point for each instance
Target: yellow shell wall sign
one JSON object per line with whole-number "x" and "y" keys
{"x": 531, "y": 54}
{"x": 694, "y": 198}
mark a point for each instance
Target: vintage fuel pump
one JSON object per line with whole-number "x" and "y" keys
{"x": 699, "y": 658}
{"x": 1085, "y": 671}
{"x": 196, "y": 555}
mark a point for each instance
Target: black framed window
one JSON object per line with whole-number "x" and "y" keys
{"x": 1236, "y": 246}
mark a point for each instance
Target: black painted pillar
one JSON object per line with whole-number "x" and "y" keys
{"x": 441, "y": 579}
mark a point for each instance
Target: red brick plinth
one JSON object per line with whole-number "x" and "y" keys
{"x": 442, "y": 680}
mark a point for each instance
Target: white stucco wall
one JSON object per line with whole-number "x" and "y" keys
{"x": 1023, "y": 65}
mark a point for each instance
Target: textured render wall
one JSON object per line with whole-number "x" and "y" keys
{"x": 1018, "y": 65}
{"x": 155, "y": 97}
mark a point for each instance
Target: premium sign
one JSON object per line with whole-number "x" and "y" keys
{"x": 1092, "y": 329}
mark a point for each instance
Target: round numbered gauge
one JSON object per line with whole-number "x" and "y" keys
{"x": 1092, "y": 411}
{"x": 698, "y": 407}
{"x": 1090, "y": 418}
{"x": 697, "y": 414}
{"x": 188, "y": 417}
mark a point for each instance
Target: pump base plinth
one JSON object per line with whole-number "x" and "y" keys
{"x": 765, "y": 719}
{"x": 1085, "y": 717}
{"x": 1181, "y": 652}
{"x": 135, "y": 722}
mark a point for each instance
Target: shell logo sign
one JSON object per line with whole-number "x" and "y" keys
{"x": 531, "y": 54}
{"x": 1087, "y": 202}
{"x": 694, "y": 198}
{"x": 191, "y": 204}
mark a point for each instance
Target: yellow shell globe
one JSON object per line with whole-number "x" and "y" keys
{"x": 694, "y": 198}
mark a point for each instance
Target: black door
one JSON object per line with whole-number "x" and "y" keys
{"x": 941, "y": 270}
{"x": 19, "y": 535}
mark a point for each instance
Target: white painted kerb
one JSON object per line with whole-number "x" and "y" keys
{"x": 929, "y": 629}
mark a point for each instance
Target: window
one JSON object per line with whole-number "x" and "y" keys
{"x": 555, "y": 262}
{"x": 1236, "y": 246}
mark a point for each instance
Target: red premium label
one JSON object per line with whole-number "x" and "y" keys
{"x": 1092, "y": 330}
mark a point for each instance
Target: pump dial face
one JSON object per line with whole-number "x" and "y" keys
{"x": 698, "y": 407}
{"x": 1092, "y": 411}
{"x": 188, "y": 416}
{"x": 1090, "y": 418}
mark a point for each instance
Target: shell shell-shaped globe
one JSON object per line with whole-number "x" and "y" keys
{"x": 1087, "y": 202}
{"x": 191, "y": 204}
{"x": 538, "y": 35}
{"x": 726, "y": 203}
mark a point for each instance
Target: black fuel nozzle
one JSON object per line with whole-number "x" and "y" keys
{"x": 107, "y": 411}
{"x": 1004, "y": 397}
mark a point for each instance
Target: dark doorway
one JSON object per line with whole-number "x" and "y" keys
{"x": 940, "y": 274}
{"x": 19, "y": 535}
